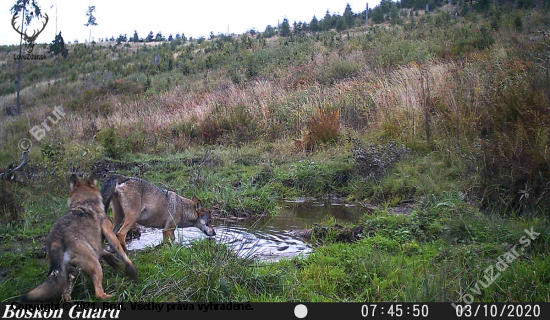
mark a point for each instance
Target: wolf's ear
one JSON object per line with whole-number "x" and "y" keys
{"x": 73, "y": 182}
{"x": 92, "y": 182}
{"x": 197, "y": 203}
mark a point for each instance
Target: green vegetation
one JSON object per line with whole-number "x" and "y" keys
{"x": 431, "y": 255}
{"x": 446, "y": 110}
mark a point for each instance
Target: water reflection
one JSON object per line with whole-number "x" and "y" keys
{"x": 267, "y": 238}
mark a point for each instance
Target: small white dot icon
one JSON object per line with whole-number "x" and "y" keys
{"x": 300, "y": 311}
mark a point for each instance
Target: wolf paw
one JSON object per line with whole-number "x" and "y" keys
{"x": 103, "y": 296}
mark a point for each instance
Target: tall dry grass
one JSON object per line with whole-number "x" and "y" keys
{"x": 399, "y": 95}
{"x": 277, "y": 104}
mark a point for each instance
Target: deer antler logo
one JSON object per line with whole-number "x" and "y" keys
{"x": 29, "y": 39}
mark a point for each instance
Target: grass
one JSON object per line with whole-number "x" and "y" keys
{"x": 394, "y": 261}
{"x": 436, "y": 253}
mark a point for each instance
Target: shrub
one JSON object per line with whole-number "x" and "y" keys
{"x": 324, "y": 126}
{"x": 237, "y": 126}
{"x": 374, "y": 160}
{"x": 337, "y": 69}
{"x": 53, "y": 152}
{"x": 518, "y": 23}
{"x": 185, "y": 129}
{"x": 110, "y": 141}
{"x": 122, "y": 86}
{"x": 17, "y": 126}
{"x": 7, "y": 89}
{"x": 10, "y": 206}
{"x": 90, "y": 102}
{"x": 184, "y": 132}
{"x": 468, "y": 40}
{"x": 514, "y": 148}
{"x": 240, "y": 126}
{"x": 306, "y": 176}
{"x": 209, "y": 129}
{"x": 484, "y": 39}
{"x": 136, "y": 140}
{"x": 263, "y": 177}
{"x": 402, "y": 52}
{"x": 82, "y": 102}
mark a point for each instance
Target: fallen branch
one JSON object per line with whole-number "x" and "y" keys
{"x": 8, "y": 172}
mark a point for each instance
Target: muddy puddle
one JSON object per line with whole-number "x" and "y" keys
{"x": 268, "y": 238}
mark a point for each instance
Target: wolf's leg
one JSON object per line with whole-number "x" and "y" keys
{"x": 118, "y": 214}
{"x": 173, "y": 207}
{"x": 107, "y": 231}
{"x": 168, "y": 232}
{"x": 67, "y": 293}
{"x": 88, "y": 261}
{"x": 110, "y": 258}
{"x": 168, "y": 235}
{"x": 129, "y": 221}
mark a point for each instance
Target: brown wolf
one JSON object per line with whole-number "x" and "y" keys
{"x": 75, "y": 239}
{"x": 138, "y": 201}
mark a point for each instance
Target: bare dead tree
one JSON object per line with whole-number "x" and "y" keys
{"x": 426, "y": 103}
{"x": 545, "y": 59}
{"x": 546, "y": 68}
{"x": 30, "y": 10}
{"x": 9, "y": 170}
{"x": 456, "y": 104}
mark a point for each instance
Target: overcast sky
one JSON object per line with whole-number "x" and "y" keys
{"x": 194, "y": 18}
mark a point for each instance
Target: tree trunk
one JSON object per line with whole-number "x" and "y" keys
{"x": 548, "y": 92}
{"x": 57, "y": 71}
{"x": 548, "y": 82}
{"x": 19, "y": 67}
{"x": 426, "y": 102}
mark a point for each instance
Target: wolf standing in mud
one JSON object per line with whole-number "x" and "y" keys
{"x": 138, "y": 201}
{"x": 76, "y": 240}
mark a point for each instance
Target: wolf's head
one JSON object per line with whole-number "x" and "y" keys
{"x": 83, "y": 190}
{"x": 203, "y": 218}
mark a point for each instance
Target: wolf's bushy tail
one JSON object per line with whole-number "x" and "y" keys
{"x": 108, "y": 188}
{"x": 55, "y": 284}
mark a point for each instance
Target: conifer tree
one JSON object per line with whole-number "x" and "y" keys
{"x": 340, "y": 24}
{"x": 285, "y": 28}
{"x": 269, "y": 32}
{"x": 348, "y": 16}
{"x": 326, "y": 22}
{"x": 91, "y": 20}
{"x": 149, "y": 37}
{"x": 314, "y": 25}
{"x": 159, "y": 37}
{"x": 58, "y": 48}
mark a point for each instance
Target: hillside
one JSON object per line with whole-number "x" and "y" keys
{"x": 446, "y": 110}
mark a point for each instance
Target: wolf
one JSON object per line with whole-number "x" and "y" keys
{"x": 76, "y": 240}
{"x": 138, "y": 201}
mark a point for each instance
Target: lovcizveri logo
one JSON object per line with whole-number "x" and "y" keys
{"x": 30, "y": 40}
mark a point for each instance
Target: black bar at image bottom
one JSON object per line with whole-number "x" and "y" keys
{"x": 297, "y": 310}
